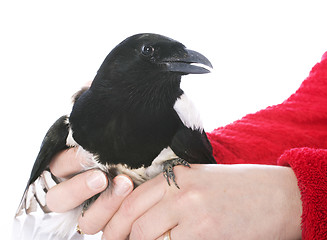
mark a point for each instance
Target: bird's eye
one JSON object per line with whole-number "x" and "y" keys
{"x": 147, "y": 51}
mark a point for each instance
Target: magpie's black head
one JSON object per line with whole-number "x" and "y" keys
{"x": 148, "y": 55}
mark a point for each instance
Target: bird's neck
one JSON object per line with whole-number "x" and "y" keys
{"x": 151, "y": 93}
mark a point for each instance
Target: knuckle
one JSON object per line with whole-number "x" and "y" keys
{"x": 189, "y": 197}
{"x": 52, "y": 201}
{"x": 137, "y": 231}
{"x": 127, "y": 208}
{"x": 87, "y": 227}
{"x": 110, "y": 233}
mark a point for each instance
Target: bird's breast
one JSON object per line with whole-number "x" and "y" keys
{"x": 126, "y": 137}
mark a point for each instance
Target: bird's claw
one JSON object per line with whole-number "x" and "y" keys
{"x": 87, "y": 203}
{"x": 168, "y": 169}
{"x": 85, "y": 207}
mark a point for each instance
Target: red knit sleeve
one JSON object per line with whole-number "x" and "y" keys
{"x": 293, "y": 134}
{"x": 300, "y": 121}
{"x": 310, "y": 168}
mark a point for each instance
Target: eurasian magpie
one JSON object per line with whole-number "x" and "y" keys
{"x": 133, "y": 119}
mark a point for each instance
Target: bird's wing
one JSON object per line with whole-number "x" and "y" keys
{"x": 190, "y": 141}
{"x": 53, "y": 142}
{"x": 192, "y": 146}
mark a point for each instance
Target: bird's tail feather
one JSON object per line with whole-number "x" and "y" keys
{"x": 51, "y": 226}
{"x": 34, "y": 195}
{"x": 54, "y": 226}
{"x": 60, "y": 225}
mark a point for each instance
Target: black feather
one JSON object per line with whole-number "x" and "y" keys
{"x": 193, "y": 146}
{"x": 53, "y": 142}
{"x": 127, "y": 116}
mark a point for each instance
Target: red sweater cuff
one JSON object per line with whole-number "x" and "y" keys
{"x": 310, "y": 168}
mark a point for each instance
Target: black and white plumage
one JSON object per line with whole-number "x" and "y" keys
{"x": 134, "y": 118}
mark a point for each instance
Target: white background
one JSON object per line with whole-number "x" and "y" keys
{"x": 261, "y": 51}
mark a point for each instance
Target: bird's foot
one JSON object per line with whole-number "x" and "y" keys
{"x": 168, "y": 169}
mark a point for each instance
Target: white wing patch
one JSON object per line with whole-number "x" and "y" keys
{"x": 187, "y": 113}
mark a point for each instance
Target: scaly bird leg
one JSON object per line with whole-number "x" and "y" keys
{"x": 168, "y": 169}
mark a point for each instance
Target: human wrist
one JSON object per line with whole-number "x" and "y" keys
{"x": 291, "y": 206}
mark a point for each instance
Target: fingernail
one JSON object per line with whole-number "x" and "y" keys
{"x": 96, "y": 180}
{"x": 123, "y": 185}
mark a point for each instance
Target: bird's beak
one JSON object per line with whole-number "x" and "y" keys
{"x": 188, "y": 62}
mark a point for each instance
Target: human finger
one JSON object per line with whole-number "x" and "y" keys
{"x": 66, "y": 163}
{"x": 100, "y": 212}
{"x": 163, "y": 213}
{"x": 73, "y": 192}
{"x": 138, "y": 202}
{"x": 176, "y": 233}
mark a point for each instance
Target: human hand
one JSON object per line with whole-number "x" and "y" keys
{"x": 213, "y": 202}
{"x": 74, "y": 191}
